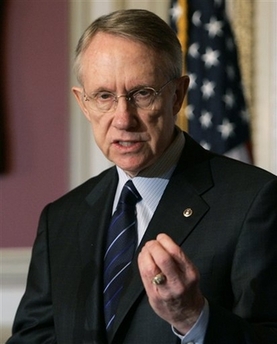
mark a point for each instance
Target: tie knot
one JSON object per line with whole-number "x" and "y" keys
{"x": 129, "y": 194}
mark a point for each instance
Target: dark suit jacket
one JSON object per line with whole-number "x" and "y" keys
{"x": 231, "y": 237}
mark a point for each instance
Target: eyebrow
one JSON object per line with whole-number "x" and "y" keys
{"x": 136, "y": 88}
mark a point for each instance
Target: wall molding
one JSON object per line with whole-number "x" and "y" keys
{"x": 14, "y": 265}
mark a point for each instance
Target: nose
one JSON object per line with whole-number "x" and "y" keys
{"x": 125, "y": 116}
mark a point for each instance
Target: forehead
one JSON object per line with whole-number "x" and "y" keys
{"x": 113, "y": 56}
{"x": 103, "y": 41}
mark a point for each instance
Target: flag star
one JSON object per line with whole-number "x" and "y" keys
{"x": 230, "y": 44}
{"x": 176, "y": 11}
{"x": 230, "y": 72}
{"x": 192, "y": 81}
{"x": 218, "y": 2}
{"x": 229, "y": 99}
{"x": 226, "y": 129}
{"x": 211, "y": 57}
{"x": 189, "y": 112}
{"x": 208, "y": 89}
{"x": 205, "y": 119}
{"x": 193, "y": 50}
{"x": 205, "y": 145}
{"x": 196, "y": 18}
{"x": 245, "y": 115}
{"x": 214, "y": 27}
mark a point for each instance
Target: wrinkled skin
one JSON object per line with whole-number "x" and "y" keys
{"x": 178, "y": 301}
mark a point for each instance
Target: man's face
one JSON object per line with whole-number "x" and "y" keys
{"x": 130, "y": 137}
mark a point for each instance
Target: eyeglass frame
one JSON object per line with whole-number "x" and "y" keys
{"x": 128, "y": 96}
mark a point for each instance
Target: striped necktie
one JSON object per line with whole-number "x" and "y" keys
{"x": 120, "y": 247}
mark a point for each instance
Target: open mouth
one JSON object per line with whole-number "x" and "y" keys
{"x": 126, "y": 143}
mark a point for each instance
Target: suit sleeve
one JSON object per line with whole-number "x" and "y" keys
{"x": 253, "y": 278}
{"x": 34, "y": 322}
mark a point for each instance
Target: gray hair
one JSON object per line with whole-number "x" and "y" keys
{"x": 137, "y": 25}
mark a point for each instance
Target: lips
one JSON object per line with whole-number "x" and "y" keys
{"x": 126, "y": 143}
{"x": 128, "y": 146}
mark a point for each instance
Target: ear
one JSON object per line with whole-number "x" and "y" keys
{"x": 182, "y": 85}
{"x": 79, "y": 95}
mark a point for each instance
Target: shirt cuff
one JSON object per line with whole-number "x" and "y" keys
{"x": 196, "y": 334}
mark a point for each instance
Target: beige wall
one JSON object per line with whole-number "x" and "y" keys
{"x": 265, "y": 111}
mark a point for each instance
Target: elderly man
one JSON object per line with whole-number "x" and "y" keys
{"x": 173, "y": 244}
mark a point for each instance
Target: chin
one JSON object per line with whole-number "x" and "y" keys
{"x": 132, "y": 166}
{"x": 131, "y": 170}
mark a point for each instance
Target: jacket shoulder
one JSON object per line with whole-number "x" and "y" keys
{"x": 81, "y": 192}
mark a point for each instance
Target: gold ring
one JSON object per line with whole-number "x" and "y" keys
{"x": 159, "y": 279}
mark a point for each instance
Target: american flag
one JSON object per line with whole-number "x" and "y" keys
{"x": 216, "y": 110}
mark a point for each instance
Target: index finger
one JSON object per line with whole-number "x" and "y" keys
{"x": 181, "y": 260}
{"x": 162, "y": 257}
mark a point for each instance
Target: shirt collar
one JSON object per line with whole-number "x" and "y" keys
{"x": 162, "y": 168}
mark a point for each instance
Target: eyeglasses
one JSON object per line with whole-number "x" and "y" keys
{"x": 142, "y": 98}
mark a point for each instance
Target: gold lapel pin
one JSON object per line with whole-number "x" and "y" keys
{"x": 187, "y": 212}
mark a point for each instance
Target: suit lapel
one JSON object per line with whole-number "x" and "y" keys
{"x": 92, "y": 229}
{"x": 93, "y": 224}
{"x": 180, "y": 209}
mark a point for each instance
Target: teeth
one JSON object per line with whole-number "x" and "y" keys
{"x": 125, "y": 144}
